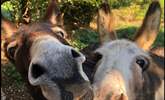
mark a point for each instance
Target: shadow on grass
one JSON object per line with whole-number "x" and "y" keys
{"x": 84, "y": 37}
{"x": 160, "y": 39}
{"x": 126, "y": 33}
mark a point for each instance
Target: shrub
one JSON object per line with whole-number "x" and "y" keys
{"x": 79, "y": 12}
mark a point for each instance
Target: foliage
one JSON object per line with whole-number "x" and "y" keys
{"x": 18, "y": 9}
{"x": 84, "y": 37}
{"x": 120, "y": 3}
{"x": 37, "y": 9}
{"x": 7, "y": 10}
{"x": 78, "y": 12}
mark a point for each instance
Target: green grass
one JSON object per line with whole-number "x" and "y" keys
{"x": 160, "y": 38}
{"x": 13, "y": 75}
{"x": 127, "y": 32}
{"x": 83, "y": 39}
{"x": 162, "y": 3}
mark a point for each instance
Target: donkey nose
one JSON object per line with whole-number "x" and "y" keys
{"x": 78, "y": 56}
{"x": 35, "y": 73}
{"x": 75, "y": 54}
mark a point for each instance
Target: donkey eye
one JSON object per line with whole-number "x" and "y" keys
{"x": 143, "y": 63}
{"x": 61, "y": 34}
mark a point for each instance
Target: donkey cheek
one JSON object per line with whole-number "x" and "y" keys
{"x": 137, "y": 78}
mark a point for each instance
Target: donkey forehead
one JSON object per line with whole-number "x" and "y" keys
{"x": 121, "y": 48}
{"x": 41, "y": 28}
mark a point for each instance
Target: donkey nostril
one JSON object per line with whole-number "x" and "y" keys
{"x": 37, "y": 70}
{"x": 75, "y": 54}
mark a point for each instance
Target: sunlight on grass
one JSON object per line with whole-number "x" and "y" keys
{"x": 162, "y": 3}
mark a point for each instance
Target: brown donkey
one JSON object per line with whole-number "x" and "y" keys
{"x": 51, "y": 68}
{"x": 121, "y": 69}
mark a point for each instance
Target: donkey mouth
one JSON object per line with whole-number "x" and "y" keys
{"x": 79, "y": 90}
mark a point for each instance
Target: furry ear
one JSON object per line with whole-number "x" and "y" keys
{"x": 149, "y": 30}
{"x": 9, "y": 43}
{"x": 10, "y": 50}
{"x": 105, "y": 23}
{"x": 8, "y": 27}
{"x": 53, "y": 14}
{"x": 159, "y": 51}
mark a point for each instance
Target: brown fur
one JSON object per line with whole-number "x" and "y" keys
{"x": 105, "y": 26}
{"x": 144, "y": 37}
{"x": 147, "y": 33}
{"x": 24, "y": 42}
{"x": 23, "y": 38}
{"x": 152, "y": 78}
{"x": 8, "y": 27}
{"x": 159, "y": 51}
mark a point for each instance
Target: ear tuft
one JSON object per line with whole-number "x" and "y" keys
{"x": 53, "y": 14}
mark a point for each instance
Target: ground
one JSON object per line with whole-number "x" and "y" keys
{"x": 12, "y": 87}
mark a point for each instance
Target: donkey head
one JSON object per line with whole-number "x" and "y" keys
{"x": 44, "y": 58}
{"x": 125, "y": 69}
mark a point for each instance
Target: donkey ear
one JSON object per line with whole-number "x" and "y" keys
{"x": 105, "y": 23}
{"x": 8, "y": 27}
{"x": 53, "y": 14}
{"x": 9, "y": 43}
{"x": 10, "y": 50}
{"x": 148, "y": 32}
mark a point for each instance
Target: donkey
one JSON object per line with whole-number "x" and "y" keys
{"x": 121, "y": 69}
{"x": 50, "y": 67}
